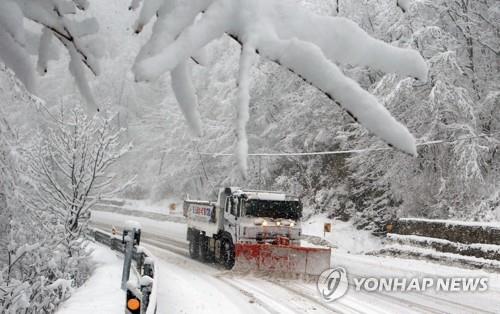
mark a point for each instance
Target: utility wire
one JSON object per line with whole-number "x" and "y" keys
{"x": 339, "y": 152}
{"x": 205, "y": 170}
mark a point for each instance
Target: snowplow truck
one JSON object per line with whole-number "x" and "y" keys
{"x": 250, "y": 230}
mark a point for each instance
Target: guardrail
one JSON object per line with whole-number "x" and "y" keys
{"x": 141, "y": 297}
{"x": 115, "y": 207}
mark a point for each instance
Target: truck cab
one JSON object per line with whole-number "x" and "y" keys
{"x": 260, "y": 216}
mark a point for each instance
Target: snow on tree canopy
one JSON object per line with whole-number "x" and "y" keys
{"x": 58, "y": 19}
{"x": 303, "y": 42}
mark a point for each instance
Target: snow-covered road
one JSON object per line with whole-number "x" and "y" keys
{"x": 188, "y": 286}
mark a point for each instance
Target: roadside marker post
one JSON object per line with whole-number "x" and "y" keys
{"x": 133, "y": 305}
{"x": 327, "y": 227}
{"x": 130, "y": 238}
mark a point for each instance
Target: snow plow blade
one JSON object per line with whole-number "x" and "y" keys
{"x": 281, "y": 259}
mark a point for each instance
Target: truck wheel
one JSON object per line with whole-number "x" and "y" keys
{"x": 194, "y": 246}
{"x": 205, "y": 254}
{"x": 227, "y": 253}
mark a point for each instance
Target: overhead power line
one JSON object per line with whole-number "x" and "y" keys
{"x": 340, "y": 152}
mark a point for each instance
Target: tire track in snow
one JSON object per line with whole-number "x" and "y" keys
{"x": 338, "y": 307}
{"x": 249, "y": 294}
{"x": 267, "y": 304}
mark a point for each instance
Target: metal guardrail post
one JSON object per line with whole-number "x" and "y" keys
{"x": 133, "y": 299}
{"x": 146, "y": 288}
{"x": 148, "y": 269}
{"x": 130, "y": 238}
{"x": 139, "y": 261}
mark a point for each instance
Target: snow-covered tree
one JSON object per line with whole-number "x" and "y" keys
{"x": 50, "y": 187}
{"x": 30, "y": 263}
{"x": 69, "y": 166}
{"x": 303, "y": 42}
{"x": 450, "y": 178}
{"x": 476, "y": 26}
{"x": 58, "y": 21}
{"x": 7, "y": 183}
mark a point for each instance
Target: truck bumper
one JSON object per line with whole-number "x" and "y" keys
{"x": 284, "y": 259}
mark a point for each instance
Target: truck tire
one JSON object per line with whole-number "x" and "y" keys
{"x": 194, "y": 245}
{"x": 205, "y": 254}
{"x": 227, "y": 252}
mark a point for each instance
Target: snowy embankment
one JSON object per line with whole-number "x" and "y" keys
{"x": 101, "y": 294}
{"x": 343, "y": 236}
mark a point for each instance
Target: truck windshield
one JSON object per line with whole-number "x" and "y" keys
{"x": 273, "y": 209}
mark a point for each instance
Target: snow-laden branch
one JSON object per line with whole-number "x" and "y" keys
{"x": 243, "y": 115}
{"x": 305, "y": 43}
{"x": 57, "y": 19}
{"x": 170, "y": 23}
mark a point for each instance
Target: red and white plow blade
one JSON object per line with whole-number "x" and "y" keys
{"x": 281, "y": 259}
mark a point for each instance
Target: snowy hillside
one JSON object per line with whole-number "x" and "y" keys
{"x": 288, "y": 115}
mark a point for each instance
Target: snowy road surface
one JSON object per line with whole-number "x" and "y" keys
{"x": 188, "y": 286}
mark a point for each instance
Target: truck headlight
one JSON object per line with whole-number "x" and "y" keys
{"x": 292, "y": 224}
{"x": 278, "y": 223}
{"x": 264, "y": 223}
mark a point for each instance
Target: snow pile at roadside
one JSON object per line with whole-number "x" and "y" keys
{"x": 101, "y": 294}
{"x": 344, "y": 235}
